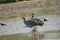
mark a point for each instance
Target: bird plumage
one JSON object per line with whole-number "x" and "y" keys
{"x": 33, "y": 22}
{"x": 37, "y": 21}
{"x": 28, "y": 23}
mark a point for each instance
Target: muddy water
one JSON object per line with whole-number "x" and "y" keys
{"x": 15, "y": 26}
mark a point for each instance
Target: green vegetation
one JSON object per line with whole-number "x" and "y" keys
{"x": 7, "y": 1}
{"x": 2, "y": 0}
{"x": 18, "y": 37}
{"x": 25, "y": 36}
{"x": 51, "y": 31}
{"x": 15, "y": 37}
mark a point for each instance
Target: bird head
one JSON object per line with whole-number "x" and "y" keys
{"x": 45, "y": 20}
{"x": 33, "y": 15}
{"x": 23, "y": 18}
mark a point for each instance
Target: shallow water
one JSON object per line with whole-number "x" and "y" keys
{"x": 17, "y": 26}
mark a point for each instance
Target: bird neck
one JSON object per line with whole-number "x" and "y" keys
{"x": 24, "y": 19}
{"x": 32, "y": 17}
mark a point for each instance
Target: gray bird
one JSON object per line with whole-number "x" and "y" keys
{"x": 33, "y": 22}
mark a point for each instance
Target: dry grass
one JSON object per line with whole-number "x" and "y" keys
{"x": 14, "y": 15}
{"x": 19, "y": 15}
{"x": 46, "y": 11}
